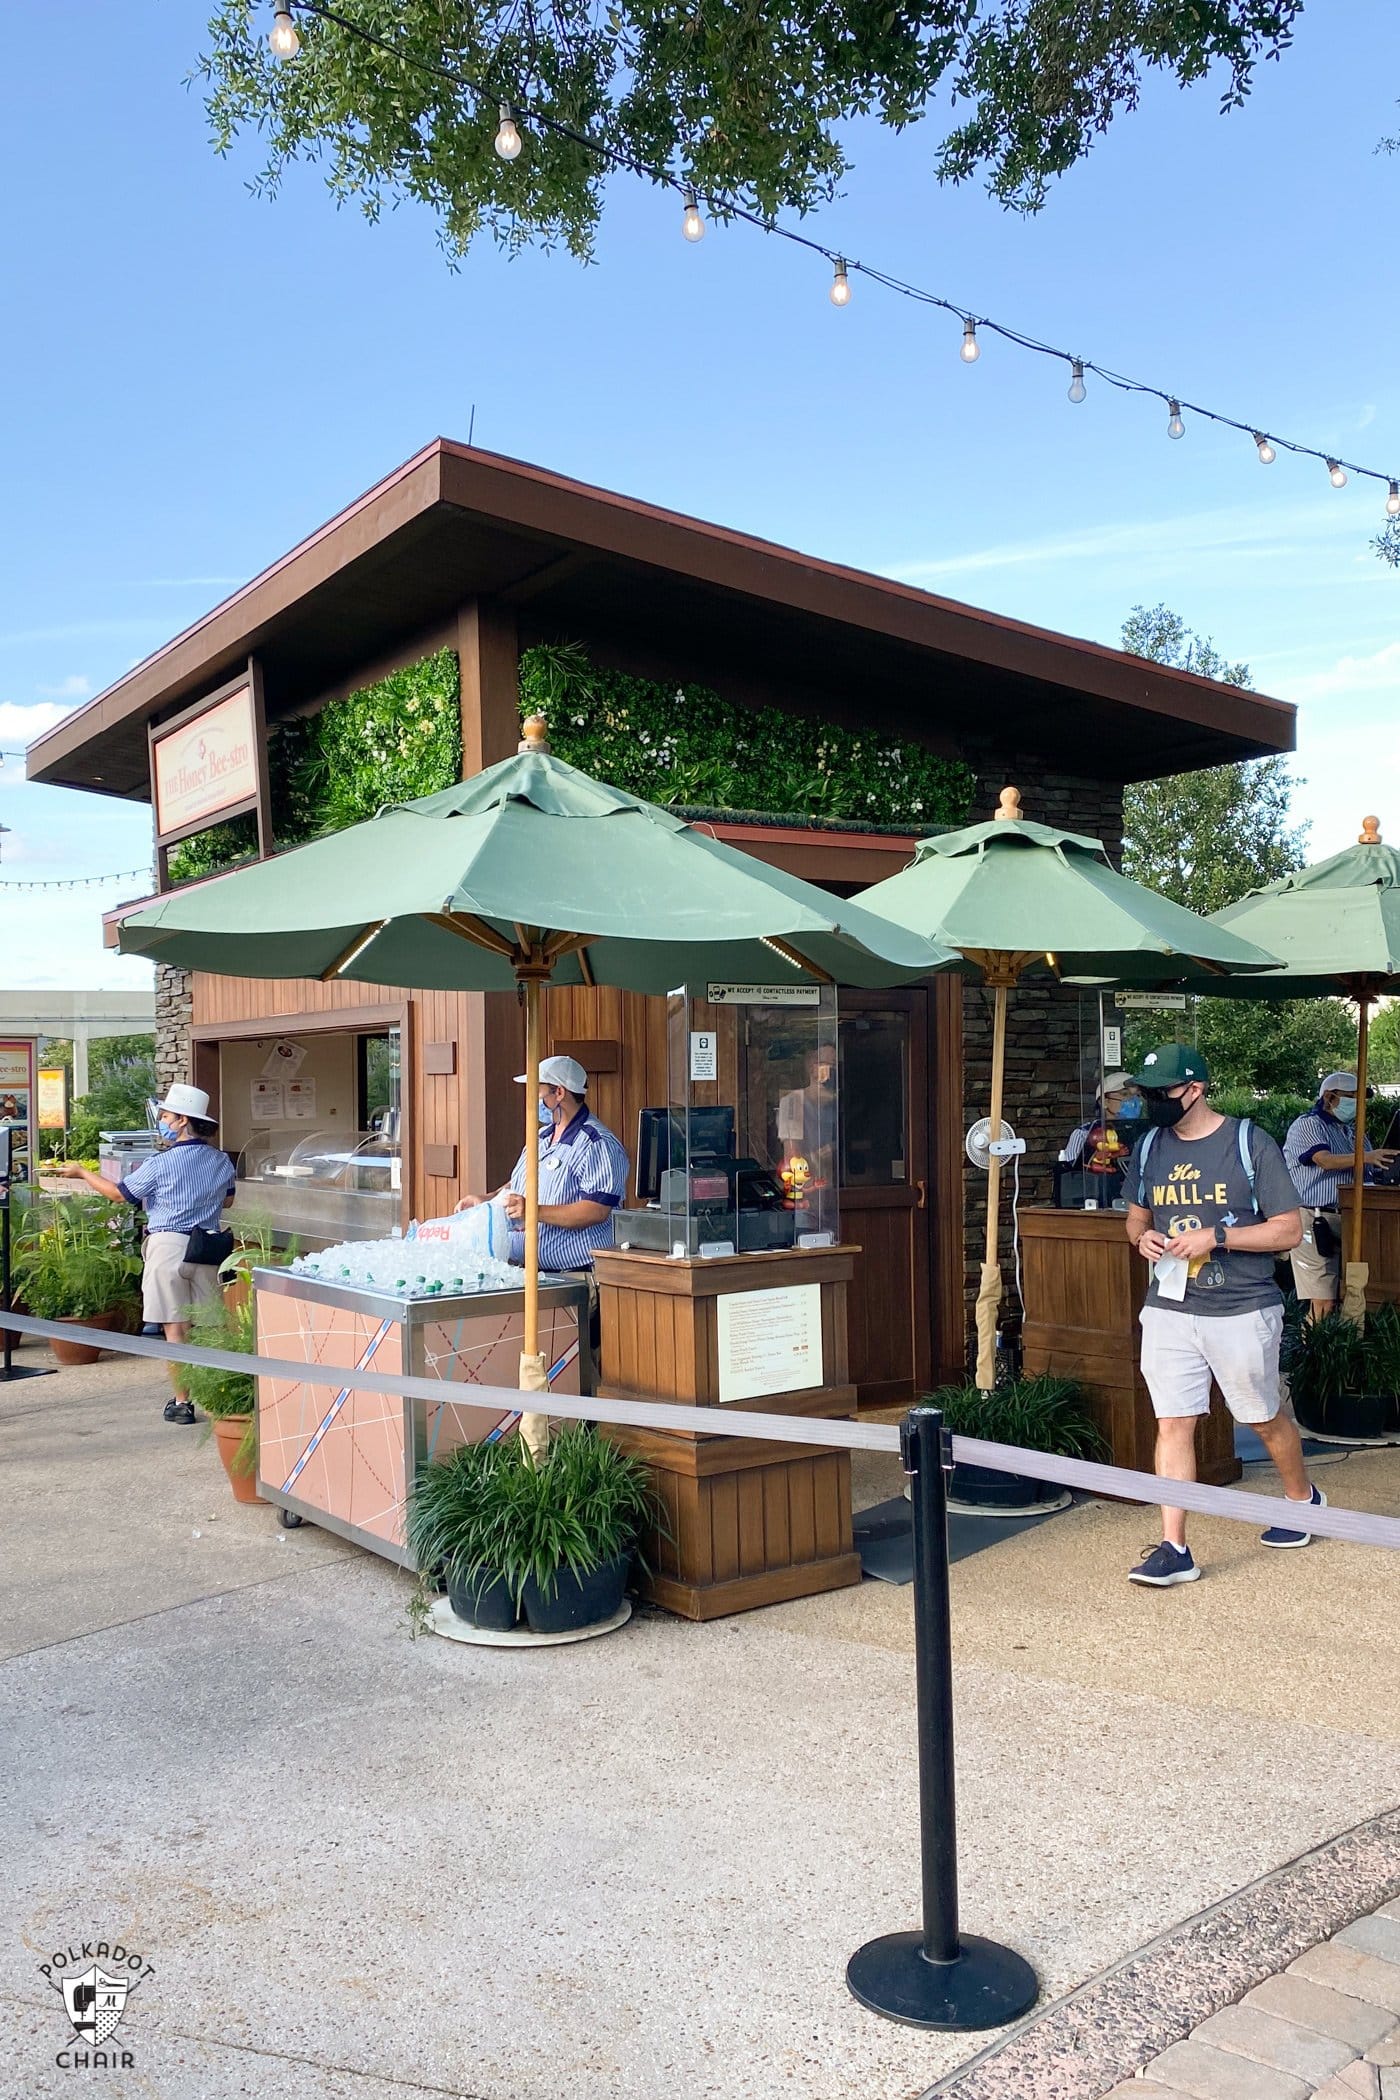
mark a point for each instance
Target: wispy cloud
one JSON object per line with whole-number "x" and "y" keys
{"x": 1378, "y": 672}
{"x": 1246, "y": 535}
{"x": 74, "y": 687}
{"x": 85, "y": 630}
{"x": 19, "y": 725}
{"x": 185, "y": 583}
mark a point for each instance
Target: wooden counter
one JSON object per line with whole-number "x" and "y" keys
{"x": 752, "y": 1523}
{"x": 1084, "y": 1288}
{"x": 1380, "y": 1243}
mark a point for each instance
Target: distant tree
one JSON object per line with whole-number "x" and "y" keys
{"x": 752, "y": 102}
{"x": 1205, "y": 839}
{"x": 1386, "y": 544}
{"x": 1383, "y": 1059}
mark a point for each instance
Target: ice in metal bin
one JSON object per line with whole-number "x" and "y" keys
{"x": 345, "y": 1459}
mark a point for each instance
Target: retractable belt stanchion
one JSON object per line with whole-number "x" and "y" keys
{"x": 939, "y": 1976}
{"x": 9, "y": 1369}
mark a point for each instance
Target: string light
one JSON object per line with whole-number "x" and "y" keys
{"x": 1077, "y": 388}
{"x": 1392, "y": 501}
{"x": 284, "y": 39}
{"x": 1336, "y": 474}
{"x": 729, "y": 207}
{"x": 508, "y": 139}
{"x": 692, "y": 225}
{"x": 78, "y": 882}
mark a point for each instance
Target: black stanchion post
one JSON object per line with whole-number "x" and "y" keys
{"x": 940, "y": 1976}
{"x": 9, "y": 1369}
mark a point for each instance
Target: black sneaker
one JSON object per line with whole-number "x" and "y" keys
{"x": 179, "y": 1411}
{"x": 152, "y": 1331}
{"x": 1163, "y": 1565}
{"x": 1280, "y": 1535}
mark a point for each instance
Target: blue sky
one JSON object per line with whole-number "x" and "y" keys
{"x": 196, "y": 378}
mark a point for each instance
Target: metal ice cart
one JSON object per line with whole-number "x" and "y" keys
{"x": 344, "y": 1458}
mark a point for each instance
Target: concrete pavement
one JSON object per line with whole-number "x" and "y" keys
{"x": 364, "y": 1866}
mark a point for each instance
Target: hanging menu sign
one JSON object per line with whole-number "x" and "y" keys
{"x": 207, "y": 764}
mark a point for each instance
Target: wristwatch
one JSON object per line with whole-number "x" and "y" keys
{"x": 1220, "y": 1235}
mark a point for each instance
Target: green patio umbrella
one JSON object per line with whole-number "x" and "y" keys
{"x": 1335, "y": 929}
{"x": 1019, "y": 899}
{"x": 529, "y": 873}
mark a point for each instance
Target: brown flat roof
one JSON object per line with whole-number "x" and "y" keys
{"x": 671, "y": 596}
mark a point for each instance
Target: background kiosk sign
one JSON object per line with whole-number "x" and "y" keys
{"x": 206, "y": 765}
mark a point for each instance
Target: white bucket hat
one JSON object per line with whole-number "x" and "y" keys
{"x": 560, "y": 1071}
{"x": 187, "y": 1101}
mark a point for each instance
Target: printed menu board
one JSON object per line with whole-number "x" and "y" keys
{"x": 17, "y": 1085}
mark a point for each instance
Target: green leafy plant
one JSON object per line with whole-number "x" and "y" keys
{"x": 1039, "y": 1414}
{"x": 686, "y": 747}
{"x": 226, "y": 1395}
{"x": 75, "y": 1258}
{"x": 1329, "y": 1359}
{"x": 489, "y": 1510}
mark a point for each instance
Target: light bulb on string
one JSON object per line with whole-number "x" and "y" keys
{"x": 692, "y": 225}
{"x": 971, "y": 349}
{"x": 283, "y": 36}
{"x": 1392, "y": 501}
{"x": 1336, "y": 474}
{"x": 508, "y": 139}
{"x": 1267, "y": 454}
{"x": 1077, "y": 389}
{"x": 840, "y": 293}
{"x": 1175, "y": 427}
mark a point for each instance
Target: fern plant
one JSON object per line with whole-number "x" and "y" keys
{"x": 75, "y": 1259}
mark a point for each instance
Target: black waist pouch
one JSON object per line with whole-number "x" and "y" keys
{"x": 208, "y": 1250}
{"x": 1325, "y": 1237}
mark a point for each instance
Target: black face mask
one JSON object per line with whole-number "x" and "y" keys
{"x": 1163, "y": 1111}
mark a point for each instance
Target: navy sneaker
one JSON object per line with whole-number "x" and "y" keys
{"x": 179, "y": 1411}
{"x": 1163, "y": 1565}
{"x": 1279, "y": 1535}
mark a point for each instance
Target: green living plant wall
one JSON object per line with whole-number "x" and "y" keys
{"x": 685, "y": 746}
{"x": 389, "y": 742}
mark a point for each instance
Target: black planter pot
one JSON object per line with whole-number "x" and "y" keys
{"x": 990, "y": 1490}
{"x": 483, "y": 1599}
{"x": 578, "y": 1600}
{"x": 1349, "y": 1414}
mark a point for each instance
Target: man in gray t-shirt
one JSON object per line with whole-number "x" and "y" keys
{"x": 1210, "y": 1204}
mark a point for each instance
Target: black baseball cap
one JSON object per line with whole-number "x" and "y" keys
{"x": 1172, "y": 1064}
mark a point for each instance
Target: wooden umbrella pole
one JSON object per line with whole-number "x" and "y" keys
{"x": 1358, "y": 1160}
{"x": 532, "y": 1166}
{"x": 998, "y": 1090}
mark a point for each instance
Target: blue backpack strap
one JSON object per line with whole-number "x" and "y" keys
{"x": 1246, "y": 1136}
{"x": 1146, "y": 1146}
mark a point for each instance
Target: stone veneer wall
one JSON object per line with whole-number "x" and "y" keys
{"x": 174, "y": 1013}
{"x": 1043, "y": 1054}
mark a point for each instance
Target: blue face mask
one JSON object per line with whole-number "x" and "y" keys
{"x": 1346, "y": 1109}
{"x": 1131, "y": 1111}
{"x": 168, "y": 1131}
{"x": 546, "y": 1117}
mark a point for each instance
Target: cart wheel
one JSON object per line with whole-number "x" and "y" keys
{"x": 289, "y": 1520}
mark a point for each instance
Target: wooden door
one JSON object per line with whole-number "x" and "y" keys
{"x": 885, "y": 1178}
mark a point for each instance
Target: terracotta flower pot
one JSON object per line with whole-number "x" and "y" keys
{"x": 83, "y": 1352}
{"x": 229, "y": 1431}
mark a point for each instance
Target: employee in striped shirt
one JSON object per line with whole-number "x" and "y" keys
{"x": 1320, "y": 1157}
{"x": 583, "y": 1173}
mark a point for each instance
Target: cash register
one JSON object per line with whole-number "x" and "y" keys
{"x": 696, "y": 1193}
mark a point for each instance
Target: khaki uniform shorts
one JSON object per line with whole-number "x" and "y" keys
{"x": 1315, "y": 1275}
{"x": 170, "y": 1285}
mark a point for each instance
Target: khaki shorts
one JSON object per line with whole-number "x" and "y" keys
{"x": 170, "y": 1285}
{"x": 1316, "y": 1275}
{"x": 1182, "y": 1351}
